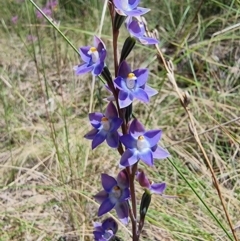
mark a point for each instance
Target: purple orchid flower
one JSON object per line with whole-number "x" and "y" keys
{"x": 129, "y": 8}
{"x": 52, "y": 4}
{"x": 132, "y": 84}
{"x": 93, "y": 57}
{"x": 31, "y": 38}
{"x": 47, "y": 9}
{"x": 105, "y": 231}
{"x": 14, "y": 19}
{"x": 141, "y": 145}
{"x": 157, "y": 188}
{"x": 115, "y": 195}
{"x": 136, "y": 29}
{"x": 105, "y": 127}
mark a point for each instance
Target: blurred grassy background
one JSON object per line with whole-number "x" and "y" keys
{"x": 48, "y": 172}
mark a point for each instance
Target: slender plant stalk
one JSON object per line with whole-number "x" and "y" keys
{"x": 131, "y": 171}
{"x": 206, "y": 131}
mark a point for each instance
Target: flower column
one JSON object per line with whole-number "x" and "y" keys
{"x": 126, "y": 86}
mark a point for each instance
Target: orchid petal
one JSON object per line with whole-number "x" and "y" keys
{"x": 124, "y": 70}
{"x": 148, "y": 40}
{"x": 82, "y": 69}
{"x": 98, "y": 139}
{"x": 113, "y": 139}
{"x": 122, "y": 179}
{"x": 108, "y": 182}
{"x": 105, "y": 207}
{"x": 128, "y": 141}
{"x": 146, "y": 157}
{"x": 160, "y": 153}
{"x": 111, "y": 111}
{"x": 98, "y": 68}
{"x": 91, "y": 134}
{"x": 110, "y": 224}
{"x": 101, "y": 196}
{"x": 84, "y": 53}
{"x": 128, "y": 158}
{"x": 124, "y": 99}
{"x": 136, "y": 128}
{"x": 95, "y": 119}
{"x": 143, "y": 180}
{"x": 122, "y": 212}
{"x": 141, "y": 95}
{"x": 150, "y": 91}
{"x": 115, "y": 124}
{"x": 153, "y": 137}
{"x": 137, "y": 12}
{"x": 158, "y": 188}
{"x": 142, "y": 76}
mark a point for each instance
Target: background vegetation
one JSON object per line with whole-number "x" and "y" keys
{"x": 48, "y": 173}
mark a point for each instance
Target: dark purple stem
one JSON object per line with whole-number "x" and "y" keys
{"x": 130, "y": 170}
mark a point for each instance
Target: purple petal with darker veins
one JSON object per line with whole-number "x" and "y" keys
{"x": 160, "y": 153}
{"x": 154, "y": 148}
{"x": 98, "y": 139}
{"x": 122, "y": 212}
{"x": 95, "y": 119}
{"x": 83, "y": 68}
{"x": 105, "y": 207}
{"x": 146, "y": 157}
{"x": 108, "y": 182}
{"x": 136, "y": 128}
{"x": 124, "y": 99}
{"x": 84, "y": 53}
{"x": 134, "y": 28}
{"x": 102, "y": 55}
{"x": 111, "y": 110}
{"x": 125, "y": 195}
{"x": 128, "y": 158}
{"x": 115, "y": 124}
{"x": 133, "y": 3}
{"x": 128, "y": 141}
{"x": 113, "y": 139}
{"x": 111, "y": 224}
{"x": 122, "y": 179}
{"x": 150, "y": 91}
{"x": 119, "y": 82}
{"x": 124, "y": 69}
{"x": 98, "y": 68}
{"x": 101, "y": 196}
{"x": 97, "y": 235}
{"x": 143, "y": 180}
{"x": 147, "y": 40}
{"x": 158, "y": 188}
{"x": 153, "y": 137}
{"x": 142, "y": 76}
{"x": 98, "y": 42}
{"x": 140, "y": 94}
{"x": 91, "y": 134}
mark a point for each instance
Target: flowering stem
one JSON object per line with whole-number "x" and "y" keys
{"x": 131, "y": 171}
{"x": 133, "y": 199}
{"x": 115, "y": 54}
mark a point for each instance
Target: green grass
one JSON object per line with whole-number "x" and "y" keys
{"x": 48, "y": 171}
